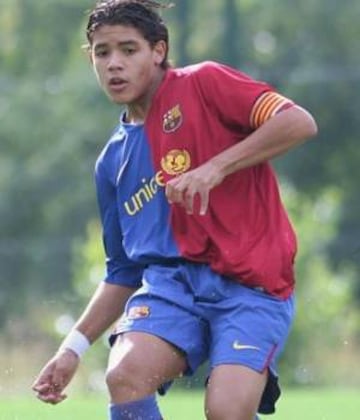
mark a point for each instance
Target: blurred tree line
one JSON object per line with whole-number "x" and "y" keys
{"x": 54, "y": 121}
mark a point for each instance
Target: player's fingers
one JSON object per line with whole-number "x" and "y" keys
{"x": 52, "y": 398}
{"x": 174, "y": 193}
{"x": 45, "y": 377}
{"x": 204, "y": 202}
{"x": 60, "y": 378}
{"x": 41, "y": 387}
{"x": 45, "y": 397}
{"x": 188, "y": 201}
{"x": 169, "y": 192}
{"x": 58, "y": 398}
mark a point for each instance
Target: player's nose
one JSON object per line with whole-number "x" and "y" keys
{"x": 115, "y": 61}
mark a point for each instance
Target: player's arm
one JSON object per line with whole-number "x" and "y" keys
{"x": 105, "y": 307}
{"x": 274, "y": 137}
{"x": 275, "y": 123}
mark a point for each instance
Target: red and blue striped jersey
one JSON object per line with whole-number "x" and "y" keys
{"x": 196, "y": 113}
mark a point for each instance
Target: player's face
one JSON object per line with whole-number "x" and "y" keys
{"x": 127, "y": 67}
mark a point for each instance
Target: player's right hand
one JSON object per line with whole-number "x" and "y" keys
{"x": 198, "y": 182}
{"x": 55, "y": 376}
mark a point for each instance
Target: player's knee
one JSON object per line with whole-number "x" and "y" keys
{"x": 128, "y": 382}
{"x": 120, "y": 378}
{"x": 220, "y": 410}
{"x": 215, "y": 411}
{"x": 114, "y": 378}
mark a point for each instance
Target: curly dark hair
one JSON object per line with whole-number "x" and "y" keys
{"x": 140, "y": 14}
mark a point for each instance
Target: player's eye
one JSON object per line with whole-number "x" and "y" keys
{"x": 129, "y": 50}
{"x": 101, "y": 52}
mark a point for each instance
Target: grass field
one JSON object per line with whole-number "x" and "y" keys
{"x": 310, "y": 404}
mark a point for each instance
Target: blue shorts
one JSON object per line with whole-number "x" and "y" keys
{"x": 210, "y": 317}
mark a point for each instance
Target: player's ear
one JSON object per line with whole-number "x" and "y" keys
{"x": 90, "y": 56}
{"x": 87, "y": 50}
{"x": 160, "y": 50}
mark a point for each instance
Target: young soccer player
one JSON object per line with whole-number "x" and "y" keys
{"x": 192, "y": 221}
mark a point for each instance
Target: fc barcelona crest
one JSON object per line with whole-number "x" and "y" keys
{"x": 137, "y": 312}
{"x": 172, "y": 120}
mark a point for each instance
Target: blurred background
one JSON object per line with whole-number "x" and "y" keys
{"x": 54, "y": 120}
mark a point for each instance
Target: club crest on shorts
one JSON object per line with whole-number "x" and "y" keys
{"x": 137, "y": 312}
{"x": 172, "y": 119}
{"x": 176, "y": 162}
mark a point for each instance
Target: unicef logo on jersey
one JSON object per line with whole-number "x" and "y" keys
{"x": 145, "y": 194}
{"x": 176, "y": 162}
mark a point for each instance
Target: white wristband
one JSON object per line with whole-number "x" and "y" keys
{"x": 75, "y": 341}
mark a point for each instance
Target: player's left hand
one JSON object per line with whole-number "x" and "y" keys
{"x": 55, "y": 376}
{"x": 197, "y": 183}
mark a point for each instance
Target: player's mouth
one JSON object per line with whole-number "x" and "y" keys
{"x": 117, "y": 84}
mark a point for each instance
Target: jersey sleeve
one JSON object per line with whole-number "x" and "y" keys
{"x": 266, "y": 106}
{"x": 237, "y": 99}
{"x": 120, "y": 269}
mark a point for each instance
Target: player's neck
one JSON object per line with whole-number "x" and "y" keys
{"x": 138, "y": 110}
{"x": 135, "y": 114}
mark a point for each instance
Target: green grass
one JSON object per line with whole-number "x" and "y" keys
{"x": 309, "y": 404}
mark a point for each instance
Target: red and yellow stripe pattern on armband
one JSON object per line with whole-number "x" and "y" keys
{"x": 266, "y": 106}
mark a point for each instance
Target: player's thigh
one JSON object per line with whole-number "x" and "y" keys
{"x": 146, "y": 357}
{"x": 234, "y": 392}
{"x": 250, "y": 329}
{"x": 179, "y": 333}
